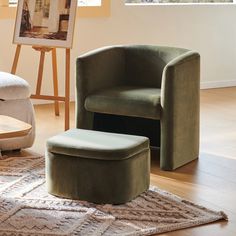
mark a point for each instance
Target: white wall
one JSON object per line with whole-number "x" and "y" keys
{"x": 208, "y": 29}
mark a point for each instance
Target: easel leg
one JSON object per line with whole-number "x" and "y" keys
{"x": 55, "y": 98}
{"x": 55, "y": 81}
{"x": 15, "y": 62}
{"x": 40, "y": 73}
{"x": 67, "y": 90}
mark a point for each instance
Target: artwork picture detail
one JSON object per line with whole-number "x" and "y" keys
{"x": 45, "y": 22}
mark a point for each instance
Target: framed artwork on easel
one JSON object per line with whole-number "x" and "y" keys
{"x": 48, "y": 23}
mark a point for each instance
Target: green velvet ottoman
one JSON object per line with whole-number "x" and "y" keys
{"x": 97, "y": 166}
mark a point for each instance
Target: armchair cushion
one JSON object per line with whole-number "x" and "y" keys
{"x": 13, "y": 87}
{"x": 126, "y": 100}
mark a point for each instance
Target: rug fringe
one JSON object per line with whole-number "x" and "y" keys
{"x": 224, "y": 215}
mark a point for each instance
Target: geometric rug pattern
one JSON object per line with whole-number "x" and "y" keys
{"x": 27, "y": 209}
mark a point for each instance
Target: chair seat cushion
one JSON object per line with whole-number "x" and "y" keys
{"x": 97, "y": 145}
{"x": 13, "y": 87}
{"x": 126, "y": 100}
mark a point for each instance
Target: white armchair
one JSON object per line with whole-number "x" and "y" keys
{"x": 15, "y": 102}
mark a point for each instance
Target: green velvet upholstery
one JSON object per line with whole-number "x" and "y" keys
{"x": 154, "y": 83}
{"x": 97, "y": 167}
{"x": 124, "y": 100}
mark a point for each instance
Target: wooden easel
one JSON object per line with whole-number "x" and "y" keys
{"x": 55, "y": 98}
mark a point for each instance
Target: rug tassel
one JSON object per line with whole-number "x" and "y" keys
{"x": 225, "y": 217}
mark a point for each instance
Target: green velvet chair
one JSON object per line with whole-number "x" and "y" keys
{"x": 143, "y": 90}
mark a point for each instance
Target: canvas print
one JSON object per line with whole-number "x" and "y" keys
{"x": 45, "y": 22}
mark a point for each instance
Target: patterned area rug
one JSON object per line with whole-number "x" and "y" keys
{"x": 27, "y": 209}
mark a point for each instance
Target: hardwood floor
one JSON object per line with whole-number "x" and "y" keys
{"x": 210, "y": 181}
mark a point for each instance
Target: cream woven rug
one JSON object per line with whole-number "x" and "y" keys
{"x": 26, "y": 208}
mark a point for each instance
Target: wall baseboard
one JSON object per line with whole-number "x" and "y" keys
{"x": 217, "y": 84}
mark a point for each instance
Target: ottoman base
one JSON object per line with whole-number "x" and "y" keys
{"x": 98, "y": 181}
{"x": 97, "y": 166}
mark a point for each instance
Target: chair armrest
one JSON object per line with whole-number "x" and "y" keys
{"x": 181, "y": 80}
{"x": 180, "y": 101}
{"x": 96, "y": 70}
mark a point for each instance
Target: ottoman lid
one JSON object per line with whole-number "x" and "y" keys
{"x": 97, "y": 145}
{"x": 13, "y": 87}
